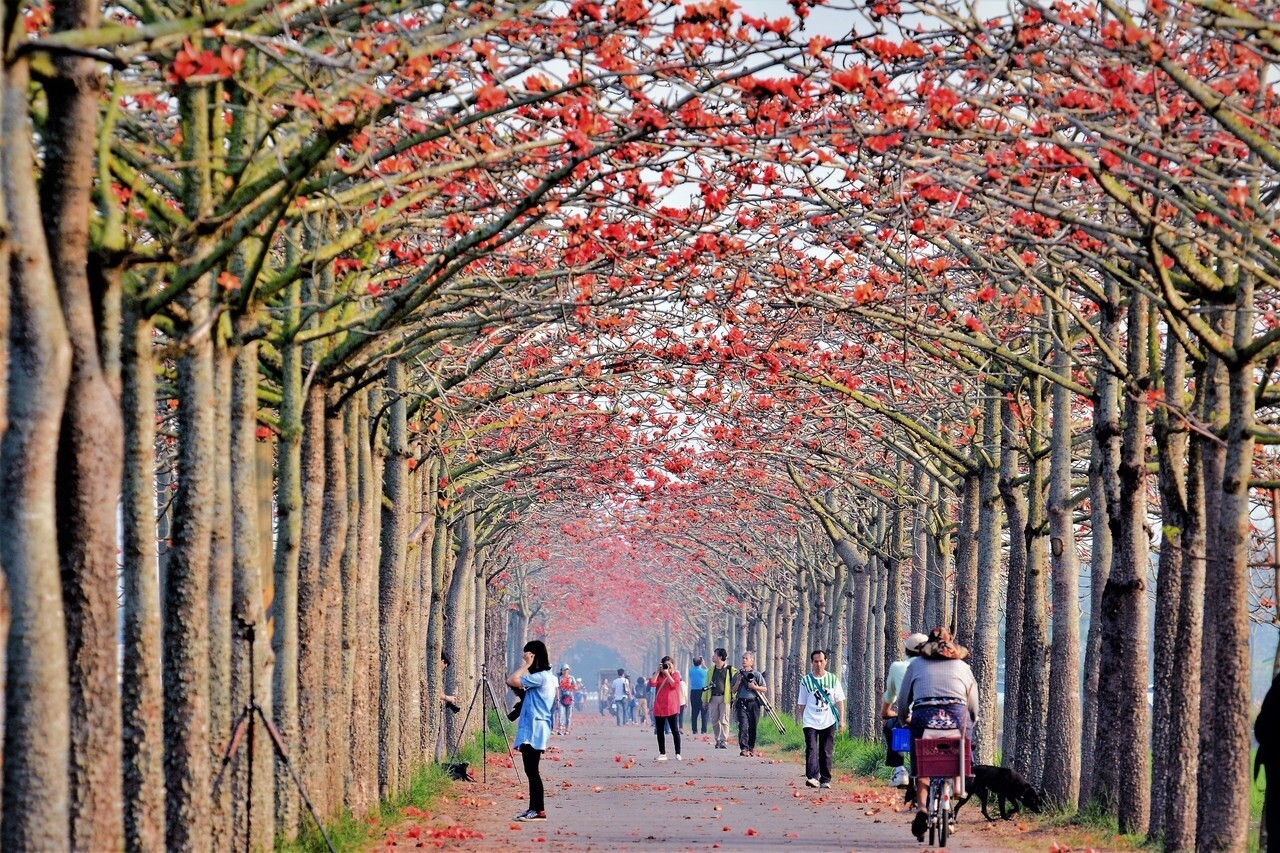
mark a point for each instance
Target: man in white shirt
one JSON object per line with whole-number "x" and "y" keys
{"x": 821, "y": 699}
{"x": 621, "y": 696}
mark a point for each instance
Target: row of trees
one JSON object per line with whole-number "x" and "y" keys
{"x": 368, "y": 314}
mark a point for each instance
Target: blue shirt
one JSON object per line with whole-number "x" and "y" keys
{"x": 697, "y": 678}
{"x": 534, "y": 727}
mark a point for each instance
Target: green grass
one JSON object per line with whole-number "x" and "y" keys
{"x": 853, "y": 755}
{"x": 430, "y": 782}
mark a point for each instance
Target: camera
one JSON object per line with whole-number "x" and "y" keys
{"x": 666, "y": 666}
{"x": 453, "y": 706}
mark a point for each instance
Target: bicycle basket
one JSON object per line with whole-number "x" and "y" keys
{"x": 938, "y": 757}
{"x": 900, "y": 739}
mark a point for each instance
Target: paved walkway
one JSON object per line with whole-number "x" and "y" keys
{"x": 605, "y": 791}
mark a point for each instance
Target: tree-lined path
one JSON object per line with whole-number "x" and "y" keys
{"x": 606, "y": 792}
{"x": 383, "y": 332}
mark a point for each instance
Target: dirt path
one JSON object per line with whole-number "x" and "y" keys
{"x": 606, "y": 791}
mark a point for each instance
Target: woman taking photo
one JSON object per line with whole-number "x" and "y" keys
{"x": 666, "y": 706}
{"x": 533, "y": 731}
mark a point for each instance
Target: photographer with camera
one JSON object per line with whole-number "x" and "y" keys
{"x": 666, "y": 706}
{"x": 533, "y": 731}
{"x": 450, "y": 702}
{"x": 747, "y": 687}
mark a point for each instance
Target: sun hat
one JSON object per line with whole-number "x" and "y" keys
{"x": 912, "y": 644}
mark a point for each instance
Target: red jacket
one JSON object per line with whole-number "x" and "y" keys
{"x": 666, "y": 698}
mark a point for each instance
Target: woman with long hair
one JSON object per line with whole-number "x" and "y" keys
{"x": 533, "y": 731}
{"x": 938, "y": 692}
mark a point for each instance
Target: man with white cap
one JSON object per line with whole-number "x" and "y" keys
{"x": 892, "y": 683}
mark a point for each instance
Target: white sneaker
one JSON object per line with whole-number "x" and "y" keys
{"x": 812, "y": 783}
{"x": 900, "y": 777}
{"x": 678, "y": 758}
{"x": 662, "y": 758}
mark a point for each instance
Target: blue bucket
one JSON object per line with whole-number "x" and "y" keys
{"x": 900, "y": 739}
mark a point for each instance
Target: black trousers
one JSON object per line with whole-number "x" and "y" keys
{"x": 660, "y": 725}
{"x": 697, "y": 710}
{"x": 891, "y": 758}
{"x": 819, "y": 750}
{"x": 748, "y": 718}
{"x": 531, "y": 758}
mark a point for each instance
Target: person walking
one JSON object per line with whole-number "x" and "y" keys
{"x": 533, "y": 730}
{"x": 621, "y": 697}
{"x": 666, "y": 706}
{"x": 642, "y": 691}
{"x": 821, "y": 703}
{"x": 566, "y": 688}
{"x": 889, "y": 710}
{"x": 603, "y": 694}
{"x": 721, "y": 682}
{"x": 684, "y": 701}
{"x": 697, "y": 708}
{"x": 747, "y": 687}
{"x": 938, "y": 692}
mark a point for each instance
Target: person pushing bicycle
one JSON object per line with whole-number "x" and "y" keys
{"x": 938, "y": 692}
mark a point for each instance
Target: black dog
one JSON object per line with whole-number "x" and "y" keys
{"x": 1007, "y": 785}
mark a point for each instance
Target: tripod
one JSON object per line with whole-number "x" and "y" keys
{"x": 245, "y": 724}
{"x": 773, "y": 715}
{"x": 484, "y": 692}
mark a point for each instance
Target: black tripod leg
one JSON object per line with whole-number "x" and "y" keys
{"x": 278, "y": 742}
{"x": 233, "y": 746}
{"x": 501, "y": 725}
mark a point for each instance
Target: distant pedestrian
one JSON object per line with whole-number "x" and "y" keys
{"x": 889, "y": 711}
{"x": 821, "y": 702}
{"x": 721, "y": 699}
{"x": 533, "y": 731}
{"x": 603, "y": 695}
{"x": 666, "y": 706}
{"x": 566, "y": 688}
{"x": 621, "y": 697}
{"x": 579, "y": 695}
{"x": 747, "y": 687}
{"x": 642, "y": 691}
{"x": 684, "y": 702}
{"x": 697, "y": 708}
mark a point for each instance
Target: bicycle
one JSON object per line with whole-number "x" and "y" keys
{"x": 944, "y": 757}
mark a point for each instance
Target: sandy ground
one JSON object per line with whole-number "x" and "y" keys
{"x": 605, "y": 791}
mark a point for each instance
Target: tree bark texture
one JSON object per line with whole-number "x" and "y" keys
{"x": 37, "y": 697}
{"x": 391, "y": 581}
{"x": 219, "y": 610}
{"x": 309, "y": 750}
{"x": 1033, "y": 682}
{"x": 1062, "y": 750}
{"x": 1015, "y": 510}
{"x": 984, "y": 652}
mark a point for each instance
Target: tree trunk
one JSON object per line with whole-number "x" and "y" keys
{"x": 1016, "y": 512}
{"x": 1062, "y": 749}
{"x": 284, "y": 611}
{"x": 219, "y": 607}
{"x": 1183, "y": 739}
{"x": 352, "y": 610}
{"x": 1226, "y": 821}
{"x": 253, "y": 820}
{"x": 365, "y": 678}
{"x": 919, "y": 550}
{"x": 984, "y": 652}
{"x": 1033, "y": 682}
{"x": 143, "y": 697}
{"x": 90, "y": 451}
{"x": 333, "y": 540}
{"x": 1124, "y": 599}
{"x": 188, "y": 774}
{"x": 1171, "y": 438}
{"x": 411, "y": 651}
{"x": 1104, "y": 461}
{"x": 37, "y": 699}
{"x": 309, "y": 750}
{"x": 390, "y": 581}
{"x": 966, "y": 585}
{"x": 459, "y": 680}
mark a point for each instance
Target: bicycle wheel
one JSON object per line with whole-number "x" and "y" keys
{"x": 944, "y": 813}
{"x": 933, "y": 812}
